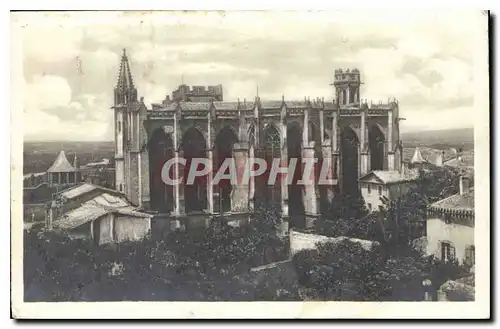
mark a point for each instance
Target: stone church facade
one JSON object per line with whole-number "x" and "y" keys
{"x": 354, "y": 137}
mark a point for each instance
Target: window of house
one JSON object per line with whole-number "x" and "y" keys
{"x": 470, "y": 257}
{"x": 369, "y": 189}
{"x": 447, "y": 252}
{"x": 380, "y": 190}
{"x": 119, "y": 126}
{"x": 121, "y": 187}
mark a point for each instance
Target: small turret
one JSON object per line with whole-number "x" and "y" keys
{"x": 75, "y": 162}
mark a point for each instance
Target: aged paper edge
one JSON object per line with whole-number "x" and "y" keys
{"x": 246, "y": 310}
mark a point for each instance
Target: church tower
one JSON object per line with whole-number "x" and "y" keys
{"x": 347, "y": 86}
{"x": 131, "y": 157}
{"x": 125, "y": 94}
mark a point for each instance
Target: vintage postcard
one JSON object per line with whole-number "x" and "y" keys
{"x": 204, "y": 164}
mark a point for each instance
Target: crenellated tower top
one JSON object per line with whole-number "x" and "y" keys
{"x": 347, "y": 84}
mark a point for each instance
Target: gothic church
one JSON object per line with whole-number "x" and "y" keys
{"x": 354, "y": 136}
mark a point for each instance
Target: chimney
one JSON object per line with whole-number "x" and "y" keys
{"x": 464, "y": 185}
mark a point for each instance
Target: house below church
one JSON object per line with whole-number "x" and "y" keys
{"x": 450, "y": 226}
{"x": 93, "y": 212}
{"x": 379, "y": 187}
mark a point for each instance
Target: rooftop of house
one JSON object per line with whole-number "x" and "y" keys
{"x": 459, "y": 162}
{"x": 390, "y": 177}
{"x": 447, "y": 157}
{"x": 458, "y": 201}
{"x": 84, "y": 188}
{"x": 96, "y": 207}
{"x": 89, "y": 212}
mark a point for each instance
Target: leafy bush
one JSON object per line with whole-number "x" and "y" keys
{"x": 182, "y": 266}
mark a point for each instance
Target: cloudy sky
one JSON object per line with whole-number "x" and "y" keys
{"x": 70, "y": 64}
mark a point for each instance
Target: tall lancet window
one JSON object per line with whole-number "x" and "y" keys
{"x": 272, "y": 151}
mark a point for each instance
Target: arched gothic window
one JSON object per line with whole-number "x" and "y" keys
{"x": 272, "y": 150}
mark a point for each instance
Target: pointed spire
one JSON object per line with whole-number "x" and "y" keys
{"x": 61, "y": 164}
{"x": 417, "y": 157}
{"x": 125, "y": 80}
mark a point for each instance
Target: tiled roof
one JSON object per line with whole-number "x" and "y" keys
{"x": 61, "y": 164}
{"x": 391, "y": 177}
{"x": 195, "y": 106}
{"x": 296, "y": 104}
{"x": 108, "y": 200}
{"x": 96, "y": 208}
{"x": 77, "y": 191}
{"x": 79, "y": 216}
{"x": 170, "y": 107}
{"x": 456, "y": 162}
{"x": 84, "y": 188}
{"x": 226, "y": 105}
{"x": 456, "y": 202}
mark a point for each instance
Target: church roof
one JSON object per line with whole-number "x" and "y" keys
{"x": 195, "y": 106}
{"x": 271, "y": 104}
{"x": 418, "y": 157}
{"x": 227, "y": 105}
{"x": 61, "y": 164}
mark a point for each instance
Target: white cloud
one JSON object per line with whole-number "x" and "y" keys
{"x": 51, "y": 45}
{"x": 46, "y": 91}
{"x": 423, "y": 59}
{"x": 51, "y": 113}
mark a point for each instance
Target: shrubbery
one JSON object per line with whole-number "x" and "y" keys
{"x": 347, "y": 271}
{"x": 181, "y": 266}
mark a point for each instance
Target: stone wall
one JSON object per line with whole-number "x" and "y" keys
{"x": 301, "y": 241}
{"x": 127, "y": 228}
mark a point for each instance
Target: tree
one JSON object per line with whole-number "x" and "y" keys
{"x": 338, "y": 271}
{"x": 348, "y": 271}
{"x": 403, "y": 219}
{"x": 348, "y": 216}
{"x": 347, "y": 206}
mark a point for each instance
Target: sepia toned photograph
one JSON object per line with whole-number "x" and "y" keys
{"x": 255, "y": 157}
